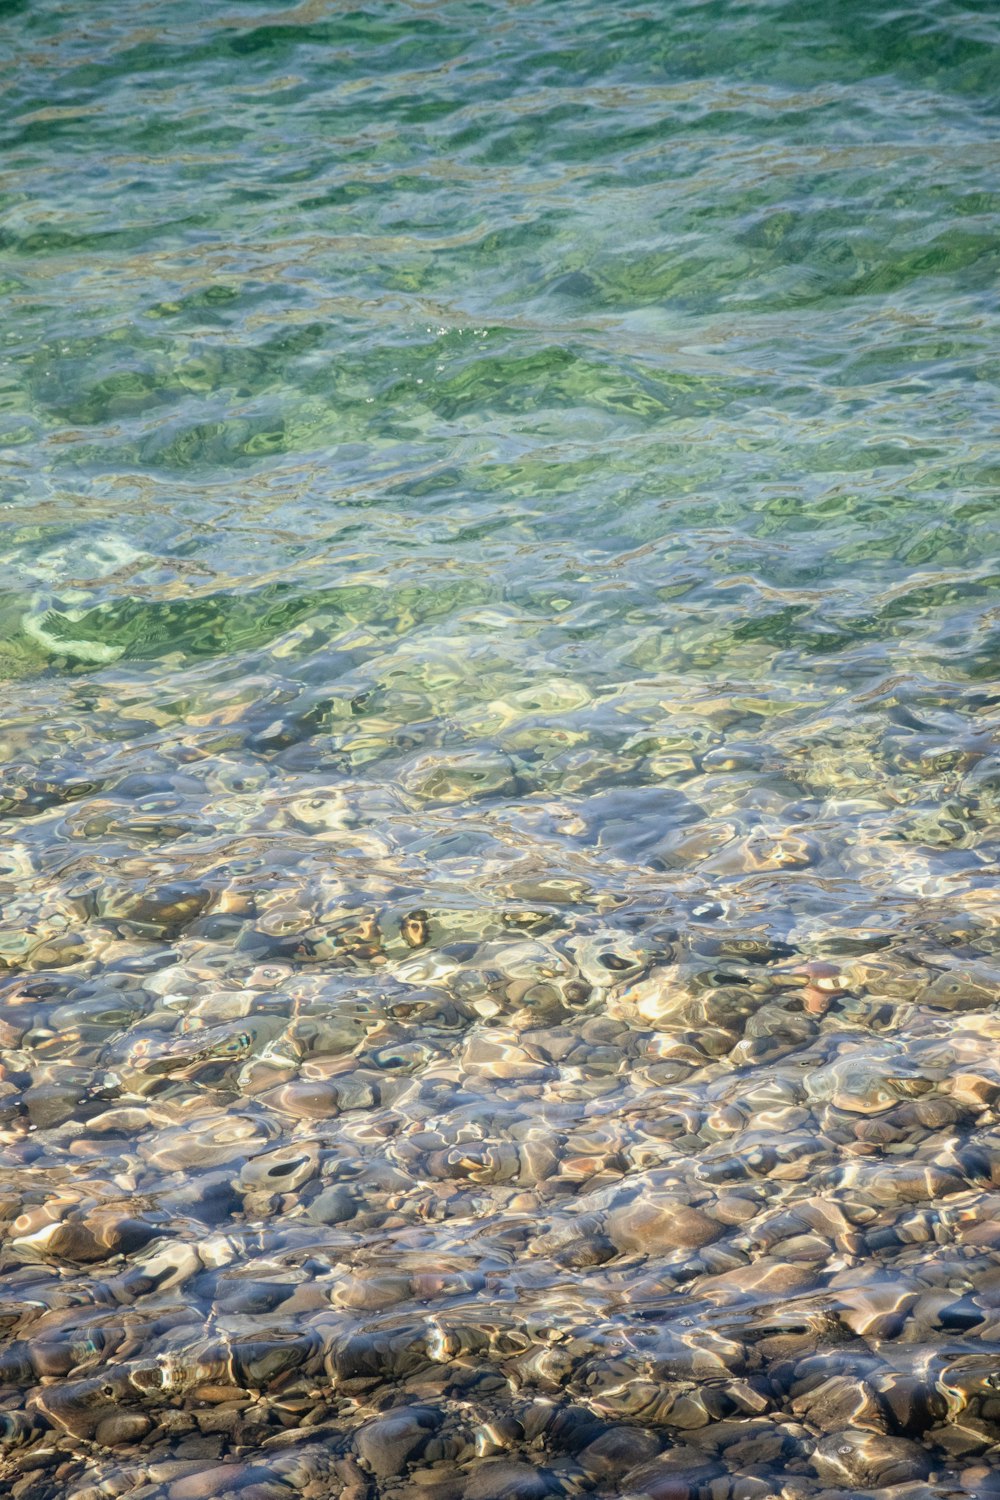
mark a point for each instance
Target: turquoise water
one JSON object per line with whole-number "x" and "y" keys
{"x": 499, "y": 627}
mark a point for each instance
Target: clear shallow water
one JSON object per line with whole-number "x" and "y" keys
{"x": 499, "y": 618}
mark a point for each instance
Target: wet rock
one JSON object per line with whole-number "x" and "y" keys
{"x": 282, "y": 1170}
{"x": 911, "y": 1400}
{"x": 617, "y": 1450}
{"x": 839, "y": 1403}
{"x": 334, "y": 1205}
{"x": 655, "y": 1226}
{"x": 367, "y": 1291}
{"x": 864, "y": 1458}
{"x": 206, "y": 1482}
{"x": 53, "y": 1103}
{"x": 680, "y": 1473}
{"x": 80, "y": 1407}
{"x": 507, "y": 1479}
{"x": 265, "y": 1489}
{"x": 387, "y": 1444}
{"x": 121, "y": 1429}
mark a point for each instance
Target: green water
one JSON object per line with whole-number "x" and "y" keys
{"x": 532, "y": 465}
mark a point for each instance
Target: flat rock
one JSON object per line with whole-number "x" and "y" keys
{"x": 654, "y": 1227}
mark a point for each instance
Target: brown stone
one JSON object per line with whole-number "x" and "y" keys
{"x": 123, "y": 1428}
{"x": 841, "y": 1402}
{"x": 206, "y": 1483}
{"x": 654, "y": 1227}
{"x": 855, "y": 1457}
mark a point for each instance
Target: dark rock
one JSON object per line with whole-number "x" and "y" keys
{"x": 124, "y": 1427}
{"x": 618, "y": 1449}
{"x": 389, "y": 1442}
{"x": 334, "y": 1205}
{"x": 51, "y": 1104}
{"x": 506, "y": 1479}
{"x": 867, "y": 1458}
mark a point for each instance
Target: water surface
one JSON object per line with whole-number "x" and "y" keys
{"x": 499, "y": 602}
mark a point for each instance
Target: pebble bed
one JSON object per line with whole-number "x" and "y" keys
{"x": 634, "y": 1173}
